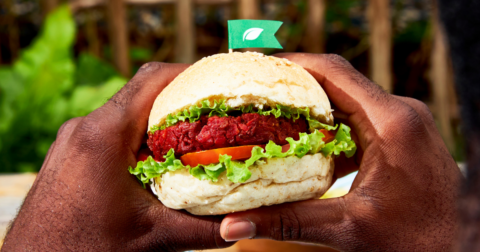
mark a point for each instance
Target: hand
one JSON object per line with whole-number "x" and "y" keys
{"x": 404, "y": 196}
{"x": 84, "y": 197}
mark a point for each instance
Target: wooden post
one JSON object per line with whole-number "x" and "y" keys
{"x": 249, "y": 9}
{"x": 13, "y": 34}
{"x": 118, "y": 32}
{"x": 380, "y": 43}
{"x": 48, "y": 6}
{"x": 92, "y": 34}
{"x": 185, "y": 45}
{"x": 315, "y": 26}
{"x": 440, "y": 81}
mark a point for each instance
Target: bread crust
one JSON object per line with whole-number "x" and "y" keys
{"x": 274, "y": 181}
{"x": 243, "y": 79}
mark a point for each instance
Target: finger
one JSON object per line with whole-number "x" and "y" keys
{"x": 111, "y": 135}
{"x": 345, "y": 166}
{"x": 367, "y": 106}
{"x": 312, "y": 220}
{"x": 378, "y": 118}
{"x": 126, "y": 113}
{"x": 179, "y": 226}
{"x": 426, "y": 116}
{"x": 346, "y": 87}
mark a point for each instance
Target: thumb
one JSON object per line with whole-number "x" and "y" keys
{"x": 310, "y": 221}
{"x": 164, "y": 229}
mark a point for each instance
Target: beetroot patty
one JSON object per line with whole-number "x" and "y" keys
{"x": 218, "y": 132}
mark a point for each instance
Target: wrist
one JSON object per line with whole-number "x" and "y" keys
{"x": 51, "y": 222}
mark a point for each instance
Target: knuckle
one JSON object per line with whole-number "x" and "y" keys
{"x": 336, "y": 59}
{"x": 88, "y": 135}
{"x": 151, "y": 66}
{"x": 404, "y": 123}
{"x": 147, "y": 71}
{"x": 421, "y": 108}
{"x": 289, "y": 227}
{"x": 68, "y": 126}
{"x": 408, "y": 118}
{"x": 339, "y": 66}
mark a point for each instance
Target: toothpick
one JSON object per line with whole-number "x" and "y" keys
{"x": 230, "y": 50}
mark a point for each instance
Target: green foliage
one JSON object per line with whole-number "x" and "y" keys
{"x": 91, "y": 71}
{"x": 339, "y": 11}
{"x": 413, "y": 33}
{"x": 85, "y": 99}
{"x": 140, "y": 54}
{"x": 43, "y": 89}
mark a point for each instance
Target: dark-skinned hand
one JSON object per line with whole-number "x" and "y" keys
{"x": 84, "y": 197}
{"x": 404, "y": 196}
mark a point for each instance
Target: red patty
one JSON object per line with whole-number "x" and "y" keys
{"x": 218, "y": 132}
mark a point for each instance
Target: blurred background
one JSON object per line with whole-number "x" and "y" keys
{"x": 61, "y": 59}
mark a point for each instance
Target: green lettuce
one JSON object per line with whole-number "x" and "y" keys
{"x": 194, "y": 112}
{"x": 219, "y": 108}
{"x": 342, "y": 143}
{"x": 238, "y": 171}
{"x": 148, "y": 169}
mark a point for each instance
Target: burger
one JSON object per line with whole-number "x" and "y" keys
{"x": 238, "y": 131}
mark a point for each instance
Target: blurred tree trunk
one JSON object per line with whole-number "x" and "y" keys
{"x": 92, "y": 34}
{"x": 441, "y": 80}
{"x": 185, "y": 45}
{"x": 249, "y": 9}
{"x": 118, "y": 32}
{"x": 12, "y": 27}
{"x": 48, "y": 6}
{"x": 315, "y": 26}
{"x": 380, "y": 43}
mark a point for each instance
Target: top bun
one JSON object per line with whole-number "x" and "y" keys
{"x": 243, "y": 79}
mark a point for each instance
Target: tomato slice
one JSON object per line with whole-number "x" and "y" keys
{"x": 237, "y": 153}
{"x": 329, "y": 135}
{"x": 211, "y": 156}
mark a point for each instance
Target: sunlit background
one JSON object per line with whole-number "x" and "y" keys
{"x": 62, "y": 59}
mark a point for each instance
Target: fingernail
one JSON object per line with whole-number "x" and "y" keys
{"x": 240, "y": 230}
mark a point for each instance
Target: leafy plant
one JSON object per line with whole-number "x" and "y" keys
{"x": 43, "y": 89}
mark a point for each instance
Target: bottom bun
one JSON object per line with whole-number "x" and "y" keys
{"x": 273, "y": 181}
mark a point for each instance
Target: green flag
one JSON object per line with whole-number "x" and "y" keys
{"x": 253, "y": 33}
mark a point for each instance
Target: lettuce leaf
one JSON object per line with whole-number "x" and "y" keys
{"x": 150, "y": 168}
{"x": 219, "y": 108}
{"x": 210, "y": 172}
{"x": 238, "y": 171}
{"x": 342, "y": 143}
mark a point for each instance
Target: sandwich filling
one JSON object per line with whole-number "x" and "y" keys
{"x": 214, "y": 129}
{"x": 220, "y": 132}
